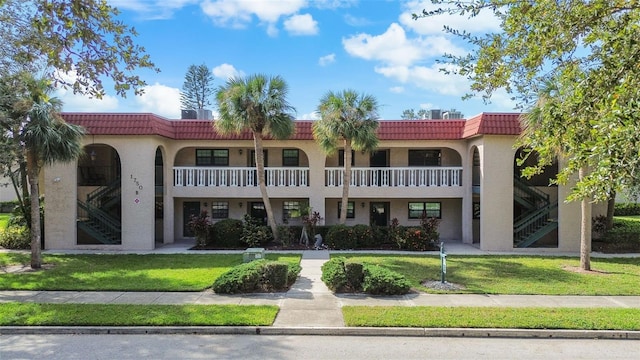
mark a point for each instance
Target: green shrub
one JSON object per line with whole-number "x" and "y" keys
{"x": 287, "y": 235}
{"x": 623, "y": 237}
{"x": 334, "y": 275}
{"x": 340, "y": 237}
{"x": 626, "y": 209}
{"x": 242, "y": 278}
{"x": 364, "y": 236}
{"x": 382, "y": 281}
{"x": 342, "y": 275}
{"x": 274, "y": 276}
{"x": 292, "y": 273}
{"x": 354, "y": 272}
{"x": 15, "y": 237}
{"x": 254, "y": 234}
{"x": 257, "y": 276}
{"x": 226, "y": 234}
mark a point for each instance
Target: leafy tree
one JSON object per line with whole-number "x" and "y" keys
{"x": 197, "y": 89}
{"x": 348, "y": 120}
{"x": 42, "y": 137}
{"x": 408, "y": 114}
{"x": 592, "y": 116}
{"x": 65, "y": 36}
{"x": 259, "y": 104}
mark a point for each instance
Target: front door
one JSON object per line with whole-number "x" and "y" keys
{"x": 380, "y": 213}
{"x": 189, "y": 208}
{"x": 258, "y": 212}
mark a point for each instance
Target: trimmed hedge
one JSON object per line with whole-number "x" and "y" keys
{"x": 226, "y": 234}
{"x": 15, "y": 237}
{"x": 626, "y": 209}
{"x": 623, "y": 237}
{"x": 342, "y": 275}
{"x": 257, "y": 276}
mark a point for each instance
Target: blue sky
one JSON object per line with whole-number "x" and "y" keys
{"x": 371, "y": 46}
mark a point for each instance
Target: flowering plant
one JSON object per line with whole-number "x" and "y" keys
{"x": 199, "y": 224}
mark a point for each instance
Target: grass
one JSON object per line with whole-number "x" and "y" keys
{"x": 4, "y": 220}
{"x": 157, "y": 272}
{"x": 523, "y": 275}
{"x": 493, "y": 317}
{"x": 32, "y": 314}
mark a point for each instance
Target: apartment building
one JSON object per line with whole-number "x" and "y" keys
{"x": 143, "y": 176}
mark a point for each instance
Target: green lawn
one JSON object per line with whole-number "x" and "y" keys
{"x": 32, "y": 314}
{"x": 518, "y": 274}
{"x": 4, "y": 220}
{"x": 170, "y": 272}
{"x": 493, "y": 317}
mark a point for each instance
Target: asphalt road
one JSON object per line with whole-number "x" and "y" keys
{"x": 123, "y": 347}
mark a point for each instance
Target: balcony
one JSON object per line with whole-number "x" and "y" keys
{"x": 239, "y": 176}
{"x": 396, "y": 177}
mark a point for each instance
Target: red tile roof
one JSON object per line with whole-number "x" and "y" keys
{"x": 151, "y": 124}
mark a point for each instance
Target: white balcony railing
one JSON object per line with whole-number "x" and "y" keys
{"x": 239, "y": 177}
{"x": 396, "y": 177}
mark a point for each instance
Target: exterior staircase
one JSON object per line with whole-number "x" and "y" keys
{"x": 99, "y": 216}
{"x": 535, "y": 220}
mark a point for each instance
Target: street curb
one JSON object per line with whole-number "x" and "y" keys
{"x": 320, "y": 331}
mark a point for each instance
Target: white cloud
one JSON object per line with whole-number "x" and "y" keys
{"x": 397, "y": 89}
{"x": 327, "y": 59}
{"x": 301, "y": 25}
{"x": 393, "y": 47}
{"x": 429, "y": 78}
{"x": 482, "y": 23}
{"x": 226, "y": 71}
{"x": 356, "y": 21}
{"x": 333, "y": 4}
{"x": 160, "y": 99}
{"x": 83, "y": 103}
{"x": 427, "y": 106}
{"x": 314, "y": 115}
{"x": 152, "y": 9}
{"x": 79, "y": 102}
{"x": 239, "y": 13}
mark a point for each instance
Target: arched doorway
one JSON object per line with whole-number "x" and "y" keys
{"x": 159, "y": 197}
{"x": 99, "y": 196}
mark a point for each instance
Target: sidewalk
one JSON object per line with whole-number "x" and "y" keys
{"x": 309, "y": 306}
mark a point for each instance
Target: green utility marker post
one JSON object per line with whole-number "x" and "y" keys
{"x": 443, "y": 264}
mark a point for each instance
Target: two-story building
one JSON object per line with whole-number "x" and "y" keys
{"x": 143, "y": 176}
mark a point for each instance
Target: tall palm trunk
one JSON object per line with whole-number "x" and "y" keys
{"x": 257, "y": 142}
{"x": 33, "y": 171}
{"x": 585, "y": 228}
{"x": 346, "y": 181}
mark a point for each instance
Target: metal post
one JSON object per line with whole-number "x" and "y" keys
{"x": 443, "y": 264}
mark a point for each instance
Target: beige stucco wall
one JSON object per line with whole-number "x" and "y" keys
{"x": 496, "y": 192}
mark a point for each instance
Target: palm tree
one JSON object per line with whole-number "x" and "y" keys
{"x": 256, "y": 103}
{"x": 45, "y": 138}
{"x": 350, "y": 120}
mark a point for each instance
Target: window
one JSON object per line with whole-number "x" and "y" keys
{"x": 289, "y": 208}
{"x": 351, "y": 209}
{"x": 220, "y": 210}
{"x": 428, "y": 209}
{"x": 253, "y": 158}
{"x": 424, "y": 158}
{"x": 290, "y": 157}
{"x": 341, "y": 157}
{"x": 212, "y": 157}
